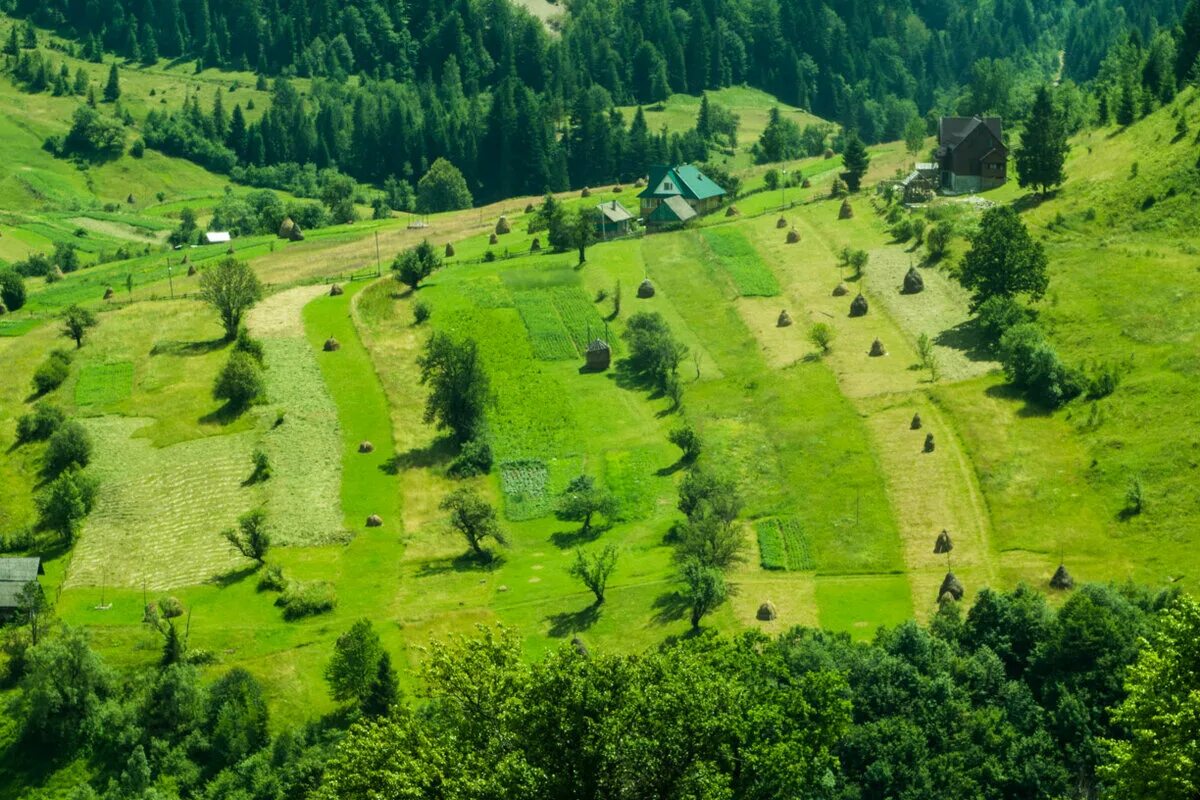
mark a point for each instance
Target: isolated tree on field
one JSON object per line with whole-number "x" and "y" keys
{"x": 251, "y": 537}
{"x": 856, "y": 161}
{"x": 688, "y": 441}
{"x": 232, "y": 288}
{"x": 1004, "y": 260}
{"x": 582, "y": 231}
{"x": 594, "y": 569}
{"x": 112, "y": 89}
{"x": 704, "y": 589}
{"x": 416, "y": 264}
{"x": 442, "y": 188}
{"x": 474, "y": 519}
{"x": 914, "y": 134}
{"x": 240, "y": 381}
{"x": 70, "y": 447}
{"x": 65, "y": 503}
{"x": 76, "y": 322}
{"x": 582, "y": 500}
{"x": 1043, "y": 150}
{"x": 937, "y": 241}
{"x": 459, "y": 388}
{"x": 653, "y": 351}
{"x": 704, "y": 491}
{"x": 354, "y": 666}
{"x": 12, "y": 289}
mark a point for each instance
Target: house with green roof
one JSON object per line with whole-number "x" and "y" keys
{"x": 671, "y": 191}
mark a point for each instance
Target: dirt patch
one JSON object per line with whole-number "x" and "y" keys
{"x": 279, "y": 314}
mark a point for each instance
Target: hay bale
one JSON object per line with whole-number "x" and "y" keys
{"x": 767, "y": 612}
{"x": 913, "y": 282}
{"x": 916, "y": 422}
{"x": 529, "y": 208}
{"x": 951, "y": 586}
{"x": 640, "y": 183}
{"x": 296, "y": 235}
{"x": 732, "y": 211}
{"x": 846, "y": 211}
{"x": 536, "y": 245}
{"x": 943, "y": 543}
{"x": 185, "y": 259}
{"x": 285, "y": 228}
{"x": 806, "y": 184}
{"x": 929, "y": 443}
{"x": 784, "y": 320}
{"x": 336, "y": 290}
{"x": 191, "y": 270}
{"x": 108, "y": 293}
{"x": 374, "y": 521}
{"x": 841, "y": 290}
{"x": 828, "y": 153}
{"x": 793, "y": 236}
{"x": 131, "y": 199}
{"x": 781, "y": 223}
{"x": 332, "y": 344}
{"x": 877, "y": 349}
{"x": 858, "y": 306}
{"x": 579, "y": 646}
{"x": 502, "y": 226}
{"x": 586, "y": 192}
{"x": 618, "y": 189}
{"x": 502, "y": 588}
{"x": 645, "y": 289}
{"x": 1062, "y": 579}
{"x": 366, "y": 447}
{"x": 449, "y": 250}
{"x": 493, "y": 239}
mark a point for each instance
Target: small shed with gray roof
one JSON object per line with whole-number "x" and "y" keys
{"x": 15, "y": 574}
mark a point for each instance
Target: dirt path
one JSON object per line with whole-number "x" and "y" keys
{"x": 279, "y": 314}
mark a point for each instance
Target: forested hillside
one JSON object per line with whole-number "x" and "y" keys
{"x": 520, "y": 109}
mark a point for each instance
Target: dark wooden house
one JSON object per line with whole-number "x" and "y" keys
{"x": 971, "y": 154}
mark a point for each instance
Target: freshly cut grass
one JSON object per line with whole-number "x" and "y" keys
{"x": 734, "y": 254}
{"x": 104, "y": 384}
{"x": 160, "y": 511}
{"x": 548, "y": 337}
{"x": 783, "y": 545}
{"x": 303, "y": 492}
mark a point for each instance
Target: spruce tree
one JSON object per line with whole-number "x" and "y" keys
{"x": 1043, "y": 150}
{"x": 704, "y": 119}
{"x": 856, "y": 160}
{"x": 172, "y": 647}
{"x": 29, "y": 38}
{"x": 112, "y": 89}
{"x": 384, "y": 690}
{"x": 13, "y": 46}
{"x": 1127, "y": 105}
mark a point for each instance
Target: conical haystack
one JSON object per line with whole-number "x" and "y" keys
{"x": 793, "y": 236}
{"x": 781, "y": 223}
{"x": 929, "y": 443}
{"x": 493, "y": 239}
{"x": 916, "y": 422}
{"x": 131, "y": 199}
{"x": 285, "y": 228}
{"x": 943, "y": 544}
{"x": 449, "y": 250}
{"x": 108, "y": 293}
{"x": 767, "y": 612}
{"x": 618, "y": 189}
{"x": 951, "y": 586}
{"x": 191, "y": 270}
{"x": 847, "y": 210}
{"x": 296, "y": 235}
{"x": 645, "y": 289}
{"x": 913, "y": 282}
{"x": 529, "y": 208}
{"x": 598, "y": 355}
{"x": 502, "y": 226}
{"x": 858, "y": 306}
{"x": 578, "y": 645}
{"x": 785, "y": 319}
{"x": 336, "y": 290}
{"x": 366, "y": 447}
{"x": 841, "y": 290}
{"x": 806, "y": 184}
{"x": 640, "y": 183}
{"x": 332, "y": 344}
{"x": 535, "y": 245}
{"x": 374, "y": 521}
{"x": 732, "y": 211}
{"x": 1062, "y": 579}
{"x": 877, "y": 349}
{"x": 586, "y": 192}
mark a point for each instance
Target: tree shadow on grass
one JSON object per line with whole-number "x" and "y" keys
{"x": 627, "y": 377}
{"x": 671, "y": 469}
{"x": 1028, "y": 409}
{"x": 670, "y": 607}
{"x": 465, "y": 562}
{"x": 967, "y": 339}
{"x": 565, "y": 540}
{"x": 225, "y": 415}
{"x": 185, "y": 349}
{"x": 440, "y": 452}
{"x": 568, "y": 623}
{"x": 234, "y": 577}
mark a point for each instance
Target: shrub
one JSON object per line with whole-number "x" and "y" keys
{"x": 421, "y": 312}
{"x": 271, "y": 579}
{"x": 249, "y": 345}
{"x": 40, "y": 424}
{"x": 240, "y": 381}
{"x": 65, "y": 502}
{"x": 138, "y": 148}
{"x": 12, "y": 289}
{"x": 307, "y": 599}
{"x": 70, "y": 447}
{"x": 938, "y": 239}
{"x": 1103, "y": 380}
{"x": 687, "y": 440}
{"x": 1135, "y": 497}
{"x": 52, "y": 372}
{"x": 821, "y": 336}
{"x": 1031, "y": 363}
{"x": 997, "y": 314}
{"x": 262, "y": 466}
{"x": 475, "y": 458}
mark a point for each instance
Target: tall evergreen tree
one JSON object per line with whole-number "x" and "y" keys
{"x": 856, "y": 160}
{"x": 1043, "y": 150}
{"x": 112, "y": 89}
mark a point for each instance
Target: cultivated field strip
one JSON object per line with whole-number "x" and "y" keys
{"x": 160, "y": 511}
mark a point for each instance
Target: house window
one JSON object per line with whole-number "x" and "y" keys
{"x": 668, "y": 186}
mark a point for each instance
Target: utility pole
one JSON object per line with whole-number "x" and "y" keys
{"x": 378, "y": 263}
{"x": 783, "y": 188}
{"x": 170, "y": 280}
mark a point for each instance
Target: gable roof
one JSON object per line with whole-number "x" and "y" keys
{"x": 689, "y": 181}
{"x": 214, "y": 237}
{"x": 614, "y": 211}
{"x": 672, "y": 209}
{"x": 14, "y": 574}
{"x": 954, "y": 130}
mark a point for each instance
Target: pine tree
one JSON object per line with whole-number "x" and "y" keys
{"x": 149, "y": 45}
{"x": 704, "y": 119}
{"x": 220, "y": 121}
{"x": 29, "y": 37}
{"x": 1127, "y": 105}
{"x": 172, "y": 647}
{"x": 856, "y": 160}
{"x": 1043, "y": 150}
{"x": 112, "y": 89}
{"x": 384, "y": 691}
{"x": 13, "y": 46}
{"x": 236, "y": 139}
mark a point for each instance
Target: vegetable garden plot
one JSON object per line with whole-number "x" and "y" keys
{"x": 734, "y": 253}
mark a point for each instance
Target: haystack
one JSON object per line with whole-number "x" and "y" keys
{"x": 529, "y": 208}
{"x": 191, "y": 270}
{"x": 929, "y": 443}
{"x": 846, "y": 211}
{"x": 336, "y": 290}
{"x": 449, "y": 250}
{"x": 3, "y": 309}
{"x": 943, "y": 543}
{"x": 586, "y": 192}
{"x": 877, "y": 349}
{"x": 185, "y": 259}
{"x": 1062, "y": 579}
{"x": 793, "y": 236}
{"x": 913, "y": 282}
{"x": 916, "y": 422}
{"x": 579, "y": 646}
{"x": 732, "y": 211}
{"x": 781, "y": 223}
{"x": 296, "y": 235}
{"x": 493, "y": 239}
{"x": 131, "y": 199}
{"x": 108, "y": 293}
{"x": 618, "y": 189}
{"x": 366, "y": 447}
{"x": 598, "y": 355}
{"x": 767, "y": 612}
{"x": 536, "y": 245}
{"x": 640, "y": 183}
{"x": 828, "y": 153}
{"x": 332, "y": 344}
{"x": 374, "y": 521}
{"x": 285, "y": 228}
{"x": 784, "y": 320}
{"x": 858, "y": 306}
{"x": 841, "y": 290}
{"x": 806, "y": 184}
{"x": 502, "y": 226}
{"x": 645, "y": 289}
{"x": 951, "y": 586}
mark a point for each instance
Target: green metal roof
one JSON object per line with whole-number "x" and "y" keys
{"x": 690, "y": 183}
